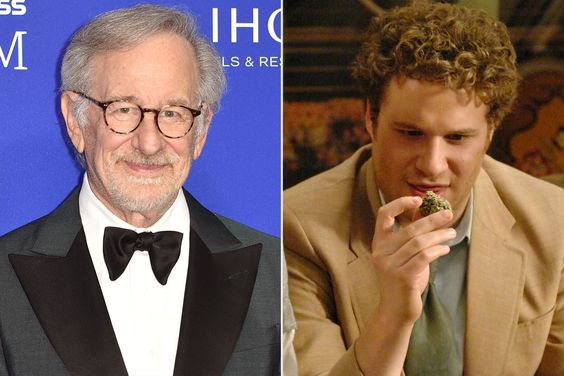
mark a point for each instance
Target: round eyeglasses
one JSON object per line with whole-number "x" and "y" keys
{"x": 123, "y": 116}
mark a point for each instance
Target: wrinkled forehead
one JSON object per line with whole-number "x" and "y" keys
{"x": 162, "y": 63}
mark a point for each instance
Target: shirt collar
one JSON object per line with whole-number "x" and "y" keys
{"x": 464, "y": 227}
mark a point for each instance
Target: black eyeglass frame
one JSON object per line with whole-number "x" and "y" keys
{"x": 104, "y": 106}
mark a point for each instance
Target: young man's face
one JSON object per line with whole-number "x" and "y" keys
{"x": 428, "y": 138}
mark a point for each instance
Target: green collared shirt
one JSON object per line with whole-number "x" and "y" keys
{"x": 450, "y": 278}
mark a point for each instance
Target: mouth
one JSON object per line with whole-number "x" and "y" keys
{"x": 144, "y": 168}
{"x": 421, "y": 189}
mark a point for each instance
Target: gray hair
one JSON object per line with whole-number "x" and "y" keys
{"x": 128, "y": 27}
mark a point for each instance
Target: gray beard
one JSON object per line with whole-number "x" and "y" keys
{"x": 129, "y": 200}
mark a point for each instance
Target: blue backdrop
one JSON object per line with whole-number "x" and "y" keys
{"x": 238, "y": 174}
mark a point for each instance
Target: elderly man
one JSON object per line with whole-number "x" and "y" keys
{"x": 378, "y": 289}
{"x": 131, "y": 275}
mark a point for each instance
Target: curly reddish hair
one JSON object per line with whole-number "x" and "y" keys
{"x": 441, "y": 43}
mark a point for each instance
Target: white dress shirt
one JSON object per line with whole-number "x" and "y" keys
{"x": 145, "y": 315}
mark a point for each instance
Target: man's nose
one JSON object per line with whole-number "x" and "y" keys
{"x": 147, "y": 138}
{"x": 432, "y": 159}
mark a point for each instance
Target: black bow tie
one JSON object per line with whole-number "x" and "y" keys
{"x": 120, "y": 244}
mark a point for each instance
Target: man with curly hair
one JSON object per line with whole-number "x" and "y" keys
{"x": 377, "y": 289}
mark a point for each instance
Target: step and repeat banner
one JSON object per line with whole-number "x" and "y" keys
{"x": 238, "y": 174}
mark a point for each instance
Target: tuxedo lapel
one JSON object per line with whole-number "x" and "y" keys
{"x": 61, "y": 284}
{"x": 59, "y": 280}
{"x": 221, "y": 277}
{"x": 66, "y": 297}
{"x": 495, "y": 280}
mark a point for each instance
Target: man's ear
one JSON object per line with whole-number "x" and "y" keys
{"x": 200, "y": 140}
{"x": 368, "y": 123}
{"x": 491, "y": 131}
{"x": 75, "y": 132}
{"x": 490, "y": 134}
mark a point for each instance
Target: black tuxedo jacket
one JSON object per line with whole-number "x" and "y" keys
{"x": 53, "y": 319}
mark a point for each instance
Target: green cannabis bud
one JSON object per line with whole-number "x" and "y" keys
{"x": 433, "y": 203}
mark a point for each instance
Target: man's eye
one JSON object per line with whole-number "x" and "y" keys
{"x": 170, "y": 114}
{"x": 456, "y": 137}
{"x": 410, "y": 132}
{"x": 121, "y": 109}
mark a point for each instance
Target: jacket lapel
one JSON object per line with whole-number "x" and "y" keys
{"x": 60, "y": 282}
{"x": 221, "y": 277}
{"x": 363, "y": 283}
{"x": 495, "y": 281}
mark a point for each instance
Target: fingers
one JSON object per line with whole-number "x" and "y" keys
{"x": 425, "y": 225}
{"x": 415, "y": 245}
{"x": 385, "y": 218}
{"x": 421, "y": 260}
{"x": 417, "y": 248}
{"x": 418, "y": 252}
{"x": 419, "y": 236}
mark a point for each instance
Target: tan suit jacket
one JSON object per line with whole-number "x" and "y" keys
{"x": 515, "y": 280}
